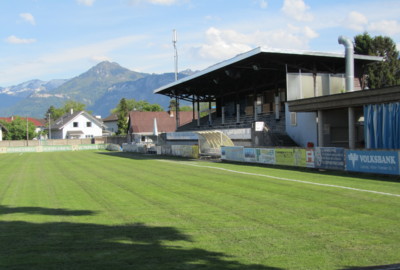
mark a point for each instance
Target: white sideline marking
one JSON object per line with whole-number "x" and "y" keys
{"x": 285, "y": 179}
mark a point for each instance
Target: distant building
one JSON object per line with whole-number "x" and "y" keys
{"x": 110, "y": 123}
{"x": 38, "y": 123}
{"x": 78, "y": 125}
{"x": 2, "y": 130}
{"x": 141, "y": 124}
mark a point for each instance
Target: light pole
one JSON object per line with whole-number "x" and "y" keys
{"x": 49, "y": 127}
{"x": 174, "y": 41}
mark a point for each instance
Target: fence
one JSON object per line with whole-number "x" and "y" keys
{"x": 45, "y": 142}
{"x": 112, "y": 140}
{"x": 329, "y": 158}
{"x": 188, "y": 151}
{"x": 51, "y": 148}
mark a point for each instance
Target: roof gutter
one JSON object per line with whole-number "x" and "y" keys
{"x": 349, "y": 54}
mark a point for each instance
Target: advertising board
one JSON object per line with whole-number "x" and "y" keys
{"x": 233, "y": 153}
{"x": 384, "y": 162}
{"x": 250, "y": 155}
{"x": 266, "y": 156}
{"x": 331, "y": 158}
{"x": 290, "y": 157}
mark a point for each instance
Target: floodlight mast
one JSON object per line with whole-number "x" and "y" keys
{"x": 174, "y": 41}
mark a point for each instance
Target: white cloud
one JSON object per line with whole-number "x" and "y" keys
{"x": 355, "y": 21}
{"x": 263, "y": 4}
{"x": 385, "y": 26}
{"x": 66, "y": 60}
{"x": 28, "y": 18}
{"x": 155, "y": 2}
{"x": 15, "y": 40}
{"x": 297, "y": 10}
{"x": 163, "y": 2}
{"x": 309, "y": 33}
{"x": 222, "y": 44}
{"x": 100, "y": 58}
{"x": 88, "y": 3}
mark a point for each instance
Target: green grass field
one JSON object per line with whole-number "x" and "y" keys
{"x": 106, "y": 210}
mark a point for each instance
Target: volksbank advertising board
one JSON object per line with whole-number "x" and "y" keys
{"x": 385, "y": 162}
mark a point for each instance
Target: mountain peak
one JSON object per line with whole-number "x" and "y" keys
{"x": 106, "y": 70}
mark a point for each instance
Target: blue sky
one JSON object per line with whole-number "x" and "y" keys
{"x": 60, "y": 39}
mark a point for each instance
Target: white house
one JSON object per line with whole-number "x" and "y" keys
{"x": 111, "y": 123}
{"x": 2, "y": 129}
{"x": 77, "y": 125}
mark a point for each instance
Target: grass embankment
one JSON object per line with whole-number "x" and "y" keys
{"x": 101, "y": 210}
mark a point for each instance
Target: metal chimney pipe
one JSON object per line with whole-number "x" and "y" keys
{"x": 349, "y": 54}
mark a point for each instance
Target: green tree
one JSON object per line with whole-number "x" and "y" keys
{"x": 186, "y": 108}
{"x": 382, "y": 74}
{"x": 141, "y": 106}
{"x": 19, "y": 128}
{"x": 56, "y": 113}
{"x": 76, "y": 106}
{"x": 122, "y": 114}
{"x": 53, "y": 113}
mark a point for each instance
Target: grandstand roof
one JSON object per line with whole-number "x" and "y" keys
{"x": 143, "y": 122}
{"x": 257, "y": 69}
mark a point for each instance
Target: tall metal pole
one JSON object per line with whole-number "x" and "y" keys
{"x": 174, "y": 41}
{"x": 49, "y": 127}
{"x": 27, "y": 134}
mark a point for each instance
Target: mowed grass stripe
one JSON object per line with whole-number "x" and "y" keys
{"x": 340, "y": 219}
{"x": 325, "y": 177}
{"x": 338, "y": 199}
{"x": 246, "y": 218}
{"x": 205, "y": 177}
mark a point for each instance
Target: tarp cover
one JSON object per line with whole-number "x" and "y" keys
{"x": 382, "y": 126}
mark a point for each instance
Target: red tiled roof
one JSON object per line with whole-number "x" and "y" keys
{"x": 36, "y": 122}
{"x": 143, "y": 122}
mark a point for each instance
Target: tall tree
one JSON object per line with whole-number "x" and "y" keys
{"x": 382, "y": 74}
{"x": 122, "y": 114}
{"x": 74, "y": 105}
{"x": 56, "y": 113}
{"x": 141, "y": 106}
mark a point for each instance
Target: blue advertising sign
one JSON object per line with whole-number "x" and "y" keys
{"x": 233, "y": 153}
{"x": 385, "y": 162}
{"x": 250, "y": 155}
{"x": 330, "y": 158}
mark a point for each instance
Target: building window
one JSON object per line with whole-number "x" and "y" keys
{"x": 75, "y": 124}
{"x": 89, "y": 136}
{"x": 293, "y": 119}
{"x": 88, "y": 124}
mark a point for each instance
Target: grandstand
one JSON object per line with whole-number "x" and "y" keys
{"x": 254, "y": 89}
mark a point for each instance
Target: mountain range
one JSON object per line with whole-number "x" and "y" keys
{"x": 100, "y": 88}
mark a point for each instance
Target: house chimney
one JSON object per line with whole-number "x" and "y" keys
{"x": 171, "y": 113}
{"x": 72, "y": 111}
